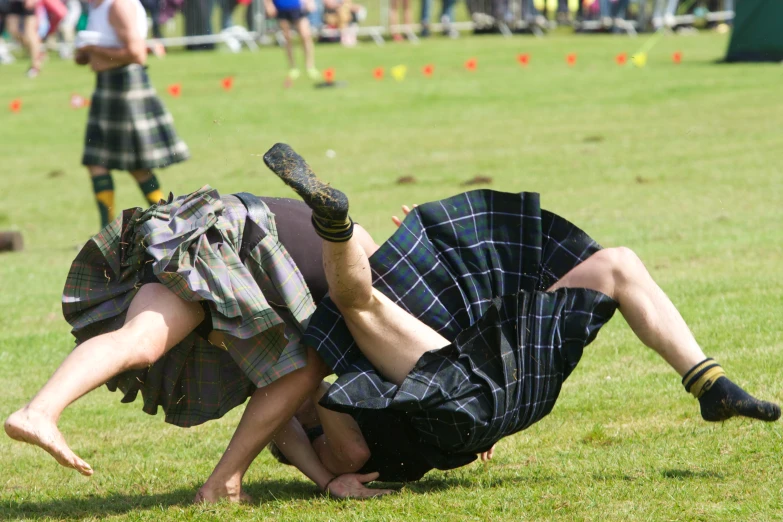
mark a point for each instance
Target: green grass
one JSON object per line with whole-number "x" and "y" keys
{"x": 680, "y": 163}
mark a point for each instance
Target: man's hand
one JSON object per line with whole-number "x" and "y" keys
{"x": 82, "y": 57}
{"x": 352, "y": 485}
{"x": 30, "y": 4}
{"x": 487, "y": 455}
{"x": 405, "y": 210}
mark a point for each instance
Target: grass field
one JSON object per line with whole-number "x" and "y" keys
{"x": 679, "y": 162}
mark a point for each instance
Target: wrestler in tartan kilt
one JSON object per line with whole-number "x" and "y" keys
{"x": 207, "y": 248}
{"x": 474, "y": 268}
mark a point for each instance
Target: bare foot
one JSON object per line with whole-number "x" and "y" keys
{"x": 34, "y": 428}
{"x": 212, "y": 493}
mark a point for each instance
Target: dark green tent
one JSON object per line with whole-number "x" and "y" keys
{"x": 758, "y": 32}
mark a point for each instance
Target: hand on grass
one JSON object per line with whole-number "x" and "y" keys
{"x": 405, "y": 210}
{"x": 352, "y": 485}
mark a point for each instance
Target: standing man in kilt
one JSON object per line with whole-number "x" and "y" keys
{"x": 128, "y": 126}
{"x": 468, "y": 320}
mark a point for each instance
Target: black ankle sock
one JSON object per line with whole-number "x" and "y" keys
{"x": 721, "y": 399}
{"x": 330, "y": 206}
{"x": 336, "y": 231}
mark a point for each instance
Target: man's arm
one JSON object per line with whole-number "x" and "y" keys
{"x": 122, "y": 18}
{"x": 292, "y": 441}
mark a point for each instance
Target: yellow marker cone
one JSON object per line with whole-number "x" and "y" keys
{"x": 398, "y": 72}
{"x": 640, "y": 59}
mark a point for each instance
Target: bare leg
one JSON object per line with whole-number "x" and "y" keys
{"x": 406, "y": 12}
{"x": 303, "y": 28}
{"x": 389, "y": 337}
{"x": 392, "y": 339}
{"x": 268, "y": 409}
{"x": 394, "y": 19}
{"x": 156, "y": 321}
{"x": 32, "y": 40}
{"x": 620, "y": 274}
{"x": 289, "y": 46}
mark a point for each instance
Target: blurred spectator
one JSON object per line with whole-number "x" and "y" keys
{"x": 294, "y": 13}
{"x": 153, "y": 10}
{"x": 394, "y": 19}
{"x": 342, "y": 16}
{"x": 446, "y": 17}
{"x": 23, "y": 26}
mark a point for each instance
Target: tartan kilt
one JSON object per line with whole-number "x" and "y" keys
{"x": 194, "y": 245}
{"x": 128, "y": 127}
{"x": 475, "y": 268}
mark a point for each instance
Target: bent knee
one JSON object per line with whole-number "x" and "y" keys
{"x": 141, "y": 349}
{"x": 621, "y": 261}
{"x": 354, "y": 456}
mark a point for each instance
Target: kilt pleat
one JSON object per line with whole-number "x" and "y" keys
{"x": 475, "y": 268}
{"x": 128, "y": 128}
{"x": 192, "y": 245}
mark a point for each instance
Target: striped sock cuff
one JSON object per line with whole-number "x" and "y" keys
{"x": 334, "y": 231}
{"x": 700, "y": 378}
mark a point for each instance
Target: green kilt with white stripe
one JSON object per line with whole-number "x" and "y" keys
{"x": 128, "y": 127}
{"x": 196, "y": 246}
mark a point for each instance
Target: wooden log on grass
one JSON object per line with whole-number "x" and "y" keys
{"x": 11, "y": 241}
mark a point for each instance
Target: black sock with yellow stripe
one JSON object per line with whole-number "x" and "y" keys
{"x": 332, "y": 230}
{"x": 151, "y": 189}
{"x": 721, "y": 399}
{"x": 103, "y": 187}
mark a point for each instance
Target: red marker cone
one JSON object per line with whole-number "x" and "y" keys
{"x": 329, "y": 75}
{"x": 428, "y": 70}
{"x": 15, "y": 105}
{"x": 571, "y": 59}
{"x": 471, "y": 64}
{"x": 523, "y": 59}
{"x": 228, "y": 83}
{"x": 677, "y": 57}
{"x": 621, "y": 59}
{"x": 175, "y": 90}
{"x": 378, "y": 73}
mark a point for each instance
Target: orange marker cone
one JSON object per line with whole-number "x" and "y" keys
{"x": 523, "y": 59}
{"x": 621, "y": 59}
{"x": 428, "y": 70}
{"x": 677, "y": 57}
{"x": 378, "y": 73}
{"x": 228, "y": 83}
{"x": 471, "y": 64}
{"x": 175, "y": 90}
{"x": 329, "y": 75}
{"x": 571, "y": 59}
{"x": 15, "y": 105}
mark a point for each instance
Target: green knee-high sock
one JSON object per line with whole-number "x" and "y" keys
{"x": 103, "y": 187}
{"x": 721, "y": 399}
{"x": 151, "y": 189}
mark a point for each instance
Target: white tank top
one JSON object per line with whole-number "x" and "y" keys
{"x": 98, "y": 22}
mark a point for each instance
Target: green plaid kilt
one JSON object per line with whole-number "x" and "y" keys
{"x": 128, "y": 127}
{"x": 195, "y": 247}
{"x": 476, "y": 268}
